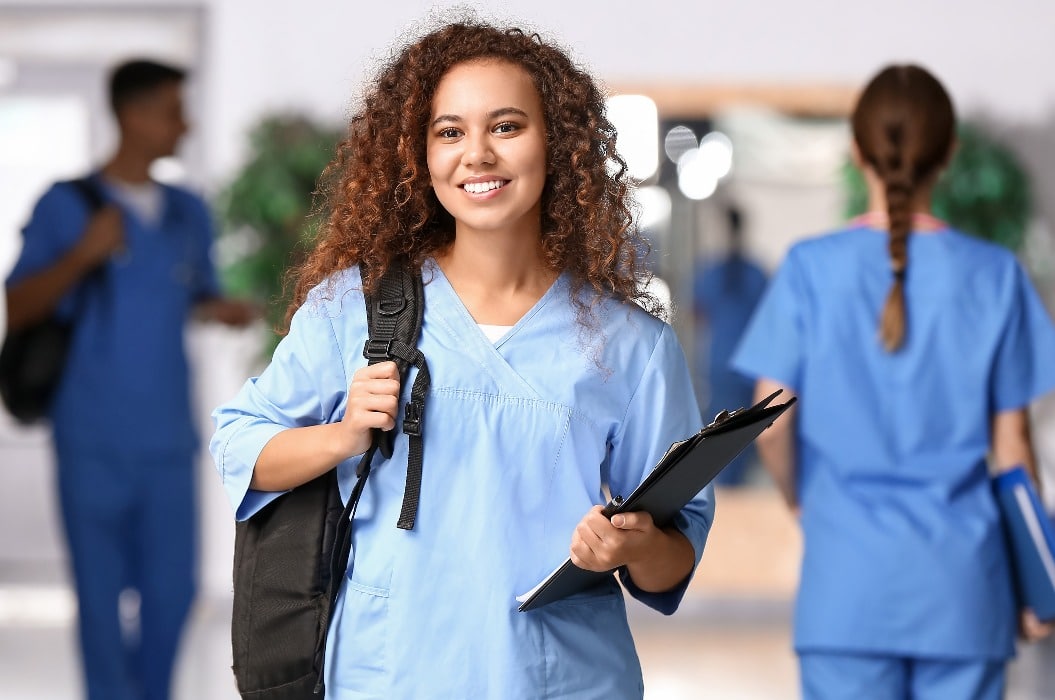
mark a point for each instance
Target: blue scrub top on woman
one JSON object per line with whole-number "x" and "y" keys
{"x": 903, "y": 548}
{"x": 520, "y": 436}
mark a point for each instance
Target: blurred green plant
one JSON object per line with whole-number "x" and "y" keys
{"x": 984, "y": 192}
{"x": 265, "y": 213}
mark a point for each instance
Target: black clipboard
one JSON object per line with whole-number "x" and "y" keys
{"x": 686, "y": 468}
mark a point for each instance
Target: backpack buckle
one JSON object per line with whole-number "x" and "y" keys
{"x": 412, "y": 419}
{"x": 391, "y": 305}
{"x": 377, "y": 349}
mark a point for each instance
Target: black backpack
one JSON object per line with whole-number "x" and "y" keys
{"x": 33, "y": 358}
{"x": 290, "y": 557}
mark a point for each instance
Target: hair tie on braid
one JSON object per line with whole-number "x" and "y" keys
{"x": 899, "y": 275}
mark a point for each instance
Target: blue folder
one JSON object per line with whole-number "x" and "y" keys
{"x": 1031, "y": 541}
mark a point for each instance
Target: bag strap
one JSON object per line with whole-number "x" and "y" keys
{"x": 89, "y": 191}
{"x": 87, "y": 188}
{"x": 394, "y": 316}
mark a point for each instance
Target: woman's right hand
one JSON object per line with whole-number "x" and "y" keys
{"x": 373, "y": 400}
{"x": 297, "y": 455}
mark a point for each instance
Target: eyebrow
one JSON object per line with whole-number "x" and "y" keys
{"x": 493, "y": 114}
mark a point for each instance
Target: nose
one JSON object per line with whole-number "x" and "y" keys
{"x": 478, "y": 150}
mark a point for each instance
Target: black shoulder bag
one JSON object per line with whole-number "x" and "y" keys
{"x": 290, "y": 557}
{"x": 33, "y": 358}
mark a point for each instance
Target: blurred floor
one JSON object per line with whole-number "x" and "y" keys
{"x": 729, "y": 641}
{"x": 719, "y": 650}
{"x": 683, "y": 656}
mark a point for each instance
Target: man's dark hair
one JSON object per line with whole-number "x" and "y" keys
{"x": 133, "y": 79}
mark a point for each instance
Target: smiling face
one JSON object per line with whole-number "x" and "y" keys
{"x": 486, "y": 148}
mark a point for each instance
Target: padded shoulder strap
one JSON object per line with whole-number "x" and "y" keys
{"x": 394, "y": 317}
{"x": 90, "y": 192}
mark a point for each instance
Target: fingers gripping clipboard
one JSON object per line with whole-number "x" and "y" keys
{"x": 686, "y": 468}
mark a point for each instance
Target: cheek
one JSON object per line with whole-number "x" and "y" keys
{"x": 535, "y": 153}
{"x": 435, "y": 162}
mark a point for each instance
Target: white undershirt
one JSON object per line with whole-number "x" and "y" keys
{"x": 144, "y": 199}
{"x": 493, "y": 333}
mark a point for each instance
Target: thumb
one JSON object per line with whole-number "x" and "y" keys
{"x": 639, "y": 520}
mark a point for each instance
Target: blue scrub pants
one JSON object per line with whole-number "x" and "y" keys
{"x": 841, "y": 676}
{"x": 130, "y": 523}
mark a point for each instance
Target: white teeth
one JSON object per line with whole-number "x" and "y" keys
{"x": 481, "y": 187}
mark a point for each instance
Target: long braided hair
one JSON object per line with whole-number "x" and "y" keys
{"x": 904, "y": 126}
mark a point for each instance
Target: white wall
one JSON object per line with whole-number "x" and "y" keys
{"x": 270, "y": 54}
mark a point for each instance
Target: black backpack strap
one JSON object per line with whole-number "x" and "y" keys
{"x": 394, "y": 316}
{"x": 92, "y": 195}
{"x": 342, "y": 547}
{"x": 89, "y": 190}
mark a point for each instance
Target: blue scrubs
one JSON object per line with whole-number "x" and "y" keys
{"x": 123, "y": 430}
{"x": 903, "y": 549}
{"x": 520, "y": 436}
{"x": 828, "y": 676}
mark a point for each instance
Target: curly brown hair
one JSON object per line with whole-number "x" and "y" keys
{"x": 377, "y": 205}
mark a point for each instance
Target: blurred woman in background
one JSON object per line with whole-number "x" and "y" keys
{"x": 915, "y": 351}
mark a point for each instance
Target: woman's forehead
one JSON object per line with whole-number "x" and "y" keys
{"x": 485, "y": 84}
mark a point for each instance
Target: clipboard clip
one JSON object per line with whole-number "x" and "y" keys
{"x": 724, "y": 415}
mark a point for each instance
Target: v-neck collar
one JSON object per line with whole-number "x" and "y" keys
{"x": 448, "y": 312}
{"x": 466, "y": 318}
{"x": 165, "y": 207}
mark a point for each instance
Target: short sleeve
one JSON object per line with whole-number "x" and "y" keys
{"x": 54, "y": 227}
{"x": 1024, "y": 365}
{"x": 305, "y": 384}
{"x": 772, "y": 346}
{"x": 662, "y": 411}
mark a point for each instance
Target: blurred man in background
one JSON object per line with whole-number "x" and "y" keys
{"x": 128, "y": 260}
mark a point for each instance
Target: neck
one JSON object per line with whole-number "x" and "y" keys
{"x": 129, "y": 165}
{"x": 498, "y": 277}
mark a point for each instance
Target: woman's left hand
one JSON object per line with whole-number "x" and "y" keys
{"x": 657, "y": 559}
{"x": 600, "y": 544}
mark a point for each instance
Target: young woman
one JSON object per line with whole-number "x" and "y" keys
{"x": 481, "y": 156}
{"x": 914, "y": 351}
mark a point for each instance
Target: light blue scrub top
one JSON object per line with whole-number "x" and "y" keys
{"x": 903, "y": 548}
{"x": 519, "y": 437}
{"x": 126, "y": 384}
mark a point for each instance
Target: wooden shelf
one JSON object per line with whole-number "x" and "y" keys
{"x": 698, "y": 100}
